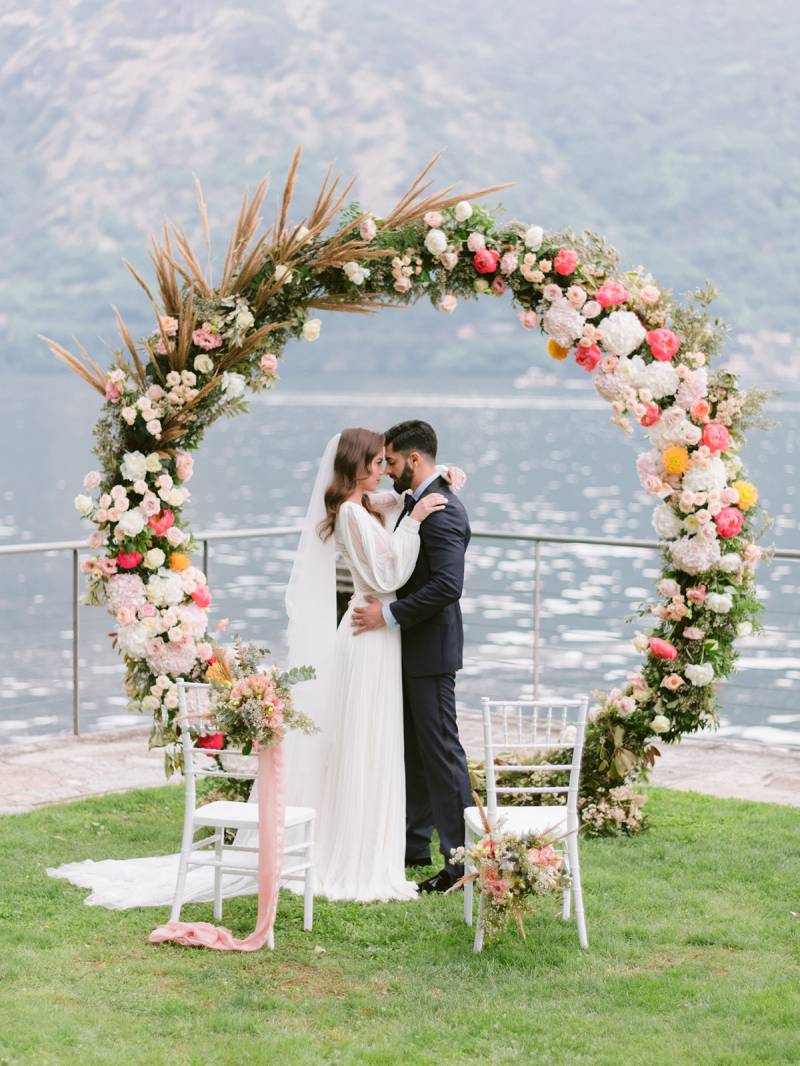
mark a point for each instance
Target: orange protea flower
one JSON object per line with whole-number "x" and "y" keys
{"x": 675, "y": 459}
{"x": 555, "y": 350}
{"x": 216, "y": 672}
{"x": 748, "y": 494}
{"x": 178, "y": 561}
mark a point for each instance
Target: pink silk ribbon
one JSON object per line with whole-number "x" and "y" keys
{"x": 270, "y": 854}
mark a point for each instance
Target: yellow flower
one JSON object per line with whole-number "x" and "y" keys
{"x": 555, "y": 351}
{"x": 676, "y": 459}
{"x": 215, "y": 673}
{"x": 748, "y": 494}
{"x": 178, "y": 561}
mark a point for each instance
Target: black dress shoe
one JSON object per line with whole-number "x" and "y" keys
{"x": 438, "y": 883}
{"x": 419, "y": 860}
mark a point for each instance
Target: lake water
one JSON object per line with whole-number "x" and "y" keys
{"x": 542, "y": 459}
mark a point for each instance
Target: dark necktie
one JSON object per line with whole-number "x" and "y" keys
{"x": 408, "y": 506}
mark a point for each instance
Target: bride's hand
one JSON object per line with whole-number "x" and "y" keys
{"x": 434, "y": 501}
{"x": 456, "y": 477}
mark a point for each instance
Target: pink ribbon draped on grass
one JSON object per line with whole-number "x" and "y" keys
{"x": 270, "y": 854}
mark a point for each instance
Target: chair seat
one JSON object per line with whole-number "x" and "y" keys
{"x": 246, "y": 862}
{"x": 521, "y": 820}
{"x": 230, "y": 814}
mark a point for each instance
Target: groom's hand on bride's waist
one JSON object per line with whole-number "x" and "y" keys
{"x": 369, "y": 617}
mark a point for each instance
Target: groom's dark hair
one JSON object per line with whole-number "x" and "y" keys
{"x": 412, "y": 436}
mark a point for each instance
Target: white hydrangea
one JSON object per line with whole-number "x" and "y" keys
{"x": 164, "y": 588}
{"x": 693, "y": 388}
{"x": 666, "y": 523}
{"x": 710, "y": 478}
{"x": 194, "y": 619}
{"x": 631, "y": 370}
{"x": 661, "y": 379}
{"x": 622, "y": 333}
{"x": 665, "y": 433}
{"x": 607, "y": 386}
{"x": 534, "y": 235}
{"x": 133, "y": 640}
{"x": 730, "y": 563}
{"x": 695, "y": 555}
{"x": 133, "y": 466}
{"x": 700, "y": 674}
{"x": 563, "y": 322}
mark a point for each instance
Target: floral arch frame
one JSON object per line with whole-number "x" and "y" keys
{"x": 649, "y": 357}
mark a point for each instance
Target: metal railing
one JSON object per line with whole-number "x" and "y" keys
{"x": 75, "y": 547}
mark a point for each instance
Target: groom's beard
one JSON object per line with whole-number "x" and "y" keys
{"x": 402, "y": 483}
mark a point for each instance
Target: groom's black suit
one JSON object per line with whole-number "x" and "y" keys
{"x": 428, "y": 612}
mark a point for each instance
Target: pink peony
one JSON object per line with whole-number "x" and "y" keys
{"x": 610, "y": 294}
{"x": 509, "y": 263}
{"x": 485, "y": 260}
{"x": 650, "y": 295}
{"x": 664, "y": 344}
{"x": 729, "y": 522}
{"x": 206, "y": 339}
{"x": 113, "y": 392}
{"x": 184, "y": 464}
{"x": 107, "y": 566}
{"x": 529, "y": 319}
{"x": 662, "y": 649}
{"x": 591, "y": 309}
{"x": 565, "y": 261}
{"x": 716, "y": 437}
{"x": 588, "y": 358}
{"x": 129, "y": 560}
{"x": 499, "y": 285}
{"x": 202, "y": 596}
{"x": 161, "y": 522}
{"x": 651, "y": 414}
{"x": 576, "y": 296}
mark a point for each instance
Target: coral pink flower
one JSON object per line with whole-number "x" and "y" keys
{"x": 752, "y": 553}
{"x": 485, "y": 260}
{"x": 696, "y": 594}
{"x": 499, "y": 285}
{"x": 672, "y": 682}
{"x": 664, "y": 344}
{"x": 611, "y": 293}
{"x": 651, "y": 414}
{"x": 589, "y": 357}
{"x": 700, "y": 411}
{"x": 202, "y": 596}
{"x": 161, "y": 522}
{"x": 545, "y": 856}
{"x": 716, "y": 437}
{"x": 169, "y": 325}
{"x": 565, "y": 261}
{"x": 529, "y": 319}
{"x": 729, "y": 522}
{"x": 129, "y": 560}
{"x": 206, "y": 339}
{"x": 662, "y": 649}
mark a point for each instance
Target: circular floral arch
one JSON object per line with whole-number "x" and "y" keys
{"x": 649, "y": 357}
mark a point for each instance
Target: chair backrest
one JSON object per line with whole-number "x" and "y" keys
{"x": 195, "y": 718}
{"x": 536, "y": 728}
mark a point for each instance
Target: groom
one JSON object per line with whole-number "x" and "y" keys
{"x": 428, "y": 613}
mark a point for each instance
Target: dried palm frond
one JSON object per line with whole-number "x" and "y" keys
{"x": 361, "y": 304}
{"x": 201, "y": 208}
{"x": 193, "y": 269}
{"x": 91, "y": 374}
{"x": 165, "y": 274}
{"x": 244, "y": 231}
{"x": 137, "y": 370}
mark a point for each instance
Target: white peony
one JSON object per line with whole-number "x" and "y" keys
{"x": 154, "y": 559}
{"x": 463, "y": 210}
{"x": 132, "y": 522}
{"x": 233, "y": 384}
{"x": 662, "y": 379}
{"x": 719, "y": 602}
{"x": 730, "y": 563}
{"x": 622, "y": 333}
{"x": 83, "y": 505}
{"x": 695, "y": 555}
{"x": 534, "y": 235}
{"x": 133, "y": 466}
{"x": 311, "y": 329}
{"x": 700, "y": 674}
{"x": 563, "y": 322}
{"x": 355, "y": 272}
{"x": 165, "y": 588}
{"x": 710, "y": 478}
{"x": 660, "y": 724}
{"x": 666, "y": 523}
{"x": 436, "y": 241}
{"x": 133, "y": 640}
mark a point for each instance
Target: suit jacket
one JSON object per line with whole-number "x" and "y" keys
{"x": 427, "y": 607}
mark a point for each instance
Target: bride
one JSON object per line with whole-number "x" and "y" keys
{"x": 352, "y": 772}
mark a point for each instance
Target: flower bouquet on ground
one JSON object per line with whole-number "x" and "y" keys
{"x": 252, "y": 705}
{"x": 513, "y": 873}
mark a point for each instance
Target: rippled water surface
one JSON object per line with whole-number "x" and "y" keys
{"x": 542, "y": 460}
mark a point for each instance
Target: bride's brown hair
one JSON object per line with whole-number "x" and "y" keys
{"x": 356, "y": 450}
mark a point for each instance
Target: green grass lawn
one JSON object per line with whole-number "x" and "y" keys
{"x": 693, "y": 958}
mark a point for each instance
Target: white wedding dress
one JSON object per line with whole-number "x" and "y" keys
{"x": 352, "y": 771}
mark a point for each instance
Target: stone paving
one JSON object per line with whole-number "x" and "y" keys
{"x": 67, "y": 769}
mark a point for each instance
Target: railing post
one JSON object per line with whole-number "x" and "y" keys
{"x": 76, "y": 686}
{"x": 205, "y": 558}
{"x": 537, "y": 614}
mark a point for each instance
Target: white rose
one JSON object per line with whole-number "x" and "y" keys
{"x": 311, "y": 329}
{"x": 175, "y": 536}
{"x": 83, "y": 505}
{"x": 729, "y": 563}
{"x": 719, "y": 602}
{"x": 534, "y": 235}
{"x": 436, "y": 241}
{"x": 233, "y": 384}
{"x": 641, "y": 642}
{"x": 204, "y": 364}
{"x": 244, "y": 320}
{"x": 133, "y": 466}
{"x": 623, "y": 333}
{"x": 700, "y": 674}
{"x": 153, "y": 463}
{"x": 176, "y": 497}
{"x": 132, "y": 522}
{"x": 744, "y": 629}
{"x": 666, "y": 523}
{"x": 133, "y": 640}
{"x": 283, "y": 273}
{"x": 154, "y": 558}
{"x": 480, "y": 285}
{"x": 463, "y": 210}
{"x": 355, "y": 272}
{"x": 660, "y": 724}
